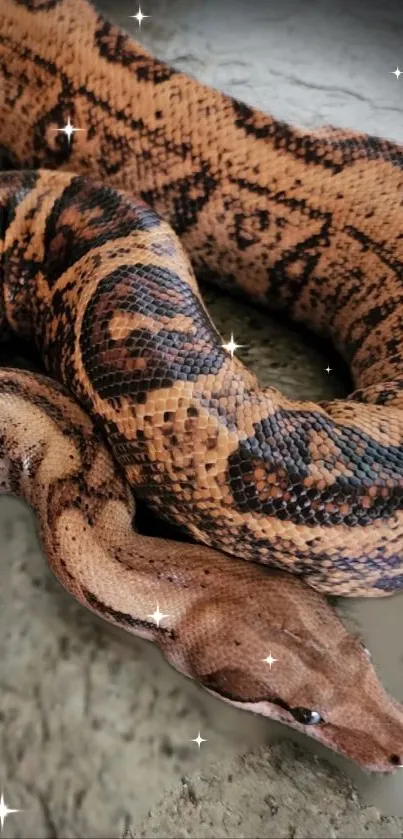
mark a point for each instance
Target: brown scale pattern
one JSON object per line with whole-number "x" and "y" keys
{"x": 224, "y": 614}
{"x": 239, "y": 468}
{"x": 309, "y": 221}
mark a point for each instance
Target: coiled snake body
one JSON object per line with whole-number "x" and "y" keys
{"x": 309, "y": 222}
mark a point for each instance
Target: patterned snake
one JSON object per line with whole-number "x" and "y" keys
{"x": 307, "y": 222}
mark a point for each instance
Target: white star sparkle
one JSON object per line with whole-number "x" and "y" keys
{"x": 199, "y": 740}
{"x": 396, "y": 72}
{"x": 69, "y": 130}
{"x": 328, "y": 369}
{"x": 5, "y": 811}
{"x": 270, "y": 660}
{"x": 158, "y": 616}
{"x": 231, "y": 346}
{"x": 139, "y": 17}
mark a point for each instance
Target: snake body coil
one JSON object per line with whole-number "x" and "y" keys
{"x": 308, "y": 222}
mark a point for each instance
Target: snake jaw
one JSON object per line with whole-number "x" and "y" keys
{"x": 373, "y": 755}
{"x": 361, "y": 722}
{"x": 317, "y": 666}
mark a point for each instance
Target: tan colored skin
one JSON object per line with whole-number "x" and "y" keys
{"x": 224, "y": 615}
{"x": 119, "y": 320}
{"x": 306, "y": 219}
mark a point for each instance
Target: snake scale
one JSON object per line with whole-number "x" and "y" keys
{"x": 96, "y": 237}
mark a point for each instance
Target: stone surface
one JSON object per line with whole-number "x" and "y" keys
{"x": 95, "y": 727}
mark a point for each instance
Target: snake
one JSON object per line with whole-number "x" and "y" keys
{"x": 280, "y": 502}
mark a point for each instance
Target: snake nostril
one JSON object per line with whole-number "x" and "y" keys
{"x": 397, "y": 760}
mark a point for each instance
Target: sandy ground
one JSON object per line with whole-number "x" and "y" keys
{"x": 96, "y": 729}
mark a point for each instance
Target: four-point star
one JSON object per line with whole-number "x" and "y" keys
{"x": 231, "y": 346}
{"x": 328, "y": 369}
{"x": 158, "y": 616}
{"x": 5, "y": 811}
{"x": 69, "y": 130}
{"x": 396, "y": 72}
{"x": 199, "y": 740}
{"x": 139, "y": 17}
{"x": 270, "y": 660}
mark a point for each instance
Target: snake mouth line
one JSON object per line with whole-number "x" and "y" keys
{"x": 325, "y": 733}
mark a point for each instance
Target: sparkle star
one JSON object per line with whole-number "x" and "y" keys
{"x": 69, "y": 130}
{"x": 396, "y": 72}
{"x": 270, "y": 660}
{"x": 328, "y": 369}
{"x": 231, "y": 346}
{"x": 158, "y": 616}
{"x": 140, "y": 17}
{"x": 199, "y": 740}
{"x": 5, "y": 811}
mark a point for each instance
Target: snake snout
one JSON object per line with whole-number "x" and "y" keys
{"x": 374, "y": 736}
{"x": 377, "y": 749}
{"x": 396, "y": 760}
{"x": 388, "y": 762}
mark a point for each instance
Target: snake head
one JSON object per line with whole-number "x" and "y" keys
{"x": 274, "y": 646}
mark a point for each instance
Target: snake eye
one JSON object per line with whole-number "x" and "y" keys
{"x": 305, "y": 716}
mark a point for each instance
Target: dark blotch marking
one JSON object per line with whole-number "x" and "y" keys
{"x": 101, "y": 214}
{"x": 143, "y": 360}
{"x": 391, "y": 584}
{"x": 311, "y": 149}
{"x": 242, "y": 688}
{"x": 186, "y": 197}
{"x": 39, "y": 5}
{"x": 118, "y": 48}
{"x": 280, "y": 446}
